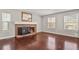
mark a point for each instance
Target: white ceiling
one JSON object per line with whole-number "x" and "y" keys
{"x": 46, "y": 11}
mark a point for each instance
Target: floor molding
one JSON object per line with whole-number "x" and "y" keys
{"x": 7, "y": 37}
{"x": 61, "y": 34}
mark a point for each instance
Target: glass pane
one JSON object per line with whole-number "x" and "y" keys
{"x": 71, "y": 22}
{"x": 51, "y": 22}
{"x": 5, "y": 26}
{"x": 6, "y": 17}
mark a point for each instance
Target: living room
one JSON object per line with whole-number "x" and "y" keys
{"x": 39, "y": 29}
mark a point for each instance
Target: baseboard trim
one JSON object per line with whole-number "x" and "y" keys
{"x": 7, "y": 37}
{"x": 61, "y": 34}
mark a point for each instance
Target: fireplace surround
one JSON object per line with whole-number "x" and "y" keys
{"x": 22, "y": 30}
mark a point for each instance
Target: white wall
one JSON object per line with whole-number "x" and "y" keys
{"x": 37, "y": 19}
{"x": 59, "y": 24}
{"x": 16, "y": 16}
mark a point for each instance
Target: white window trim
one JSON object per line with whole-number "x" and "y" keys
{"x": 69, "y": 22}
{"x": 53, "y": 26}
{"x": 3, "y": 29}
{"x": 7, "y": 21}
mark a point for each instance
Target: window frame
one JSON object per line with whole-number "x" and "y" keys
{"x": 3, "y": 21}
{"x": 53, "y": 26}
{"x": 3, "y": 28}
{"x": 70, "y": 15}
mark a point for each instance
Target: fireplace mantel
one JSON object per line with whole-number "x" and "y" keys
{"x": 25, "y": 23}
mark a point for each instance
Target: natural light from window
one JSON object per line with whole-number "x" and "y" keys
{"x": 6, "y": 18}
{"x": 71, "y": 22}
{"x": 51, "y": 22}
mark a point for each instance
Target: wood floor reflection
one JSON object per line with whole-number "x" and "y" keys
{"x": 41, "y": 41}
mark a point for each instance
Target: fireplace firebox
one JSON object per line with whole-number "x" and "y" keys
{"x": 24, "y": 30}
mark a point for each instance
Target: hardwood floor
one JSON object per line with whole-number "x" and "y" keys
{"x": 7, "y": 44}
{"x": 41, "y": 41}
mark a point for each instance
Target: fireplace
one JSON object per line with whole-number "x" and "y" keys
{"x": 25, "y": 29}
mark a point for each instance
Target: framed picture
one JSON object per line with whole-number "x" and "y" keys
{"x": 26, "y": 17}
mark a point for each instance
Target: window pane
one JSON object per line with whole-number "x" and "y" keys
{"x": 5, "y": 26}
{"x": 71, "y": 22}
{"x": 51, "y": 22}
{"x": 6, "y": 17}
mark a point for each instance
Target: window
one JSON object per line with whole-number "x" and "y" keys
{"x": 71, "y": 22}
{"x": 51, "y": 22}
{"x": 5, "y": 25}
{"x": 6, "y": 18}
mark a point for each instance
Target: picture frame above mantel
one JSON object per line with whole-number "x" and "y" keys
{"x": 27, "y": 17}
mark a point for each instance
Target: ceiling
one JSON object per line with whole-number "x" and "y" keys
{"x": 46, "y": 11}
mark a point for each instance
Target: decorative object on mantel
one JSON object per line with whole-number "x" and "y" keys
{"x": 26, "y": 17}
